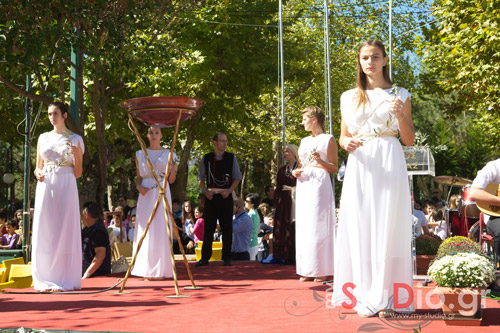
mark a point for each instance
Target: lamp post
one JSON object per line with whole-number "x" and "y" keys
{"x": 8, "y": 178}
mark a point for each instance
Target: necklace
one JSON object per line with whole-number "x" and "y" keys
{"x": 288, "y": 171}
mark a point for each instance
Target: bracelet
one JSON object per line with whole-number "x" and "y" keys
{"x": 402, "y": 118}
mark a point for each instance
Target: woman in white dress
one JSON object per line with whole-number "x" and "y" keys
{"x": 153, "y": 260}
{"x": 315, "y": 202}
{"x": 57, "y": 250}
{"x": 372, "y": 252}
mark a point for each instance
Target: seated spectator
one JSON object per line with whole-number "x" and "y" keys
{"x": 436, "y": 198}
{"x": 9, "y": 240}
{"x": 3, "y": 221}
{"x": 18, "y": 217}
{"x": 420, "y": 223}
{"x": 188, "y": 221}
{"x": 176, "y": 211}
{"x": 131, "y": 231}
{"x": 251, "y": 203}
{"x": 264, "y": 210}
{"x": 264, "y": 233}
{"x": 198, "y": 229}
{"x": 242, "y": 231}
{"x": 118, "y": 230}
{"x": 96, "y": 250}
{"x": 441, "y": 229}
{"x": 270, "y": 196}
{"x": 19, "y": 231}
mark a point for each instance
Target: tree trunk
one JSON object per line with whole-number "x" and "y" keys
{"x": 110, "y": 196}
{"x": 99, "y": 103}
{"x": 244, "y": 177}
{"x": 179, "y": 186}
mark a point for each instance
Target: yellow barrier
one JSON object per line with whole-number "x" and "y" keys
{"x": 216, "y": 251}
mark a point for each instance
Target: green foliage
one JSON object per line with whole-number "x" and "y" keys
{"x": 223, "y": 52}
{"x": 461, "y": 54}
{"x": 427, "y": 245}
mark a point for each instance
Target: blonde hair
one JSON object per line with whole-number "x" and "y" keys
{"x": 315, "y": 112}
{"x": 361, "y": 82}
{"x": 453, "y": 202}
{"x": 293, "y": 149}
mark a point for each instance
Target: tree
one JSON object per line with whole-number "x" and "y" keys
{"x": 461, "y": 52}
{"x": 115, "y": 38}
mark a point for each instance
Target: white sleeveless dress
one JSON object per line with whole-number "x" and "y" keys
{"x": 373, "y": 248}
{"x": 153, "y": 259}
{"x": 314, "y": 212}
{"x": 57, "y": 245}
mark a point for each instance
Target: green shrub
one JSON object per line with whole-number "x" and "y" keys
{"x": 427, "y": 245}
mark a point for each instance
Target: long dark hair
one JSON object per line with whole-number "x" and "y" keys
{"x": 63, "y": 107}
{"x": 186, "y": 215}
{"x": 361, "y": 82}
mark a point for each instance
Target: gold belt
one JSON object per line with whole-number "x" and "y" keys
{"x": 393, "y": 134}
{"x": 217, "y": 190}
{"x": 65, "y": 164}
{"x": 288, "y": 188}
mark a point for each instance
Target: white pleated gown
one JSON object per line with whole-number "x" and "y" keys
{"x": 153, "y": 259}
{"x": 314, "y": 212}
{"x": 373, "y": 248}
{"x": 57, "y": 245}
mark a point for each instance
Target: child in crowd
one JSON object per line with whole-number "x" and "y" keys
{"x": 9, "y": 240}
{"x": 132, "y": 229}
{"x": 188, "y": 222}
{"x": 441, "y": 229}
{"x": 199, "y": 226}
{"x": 119, "y": 230}
{"x": 265, "y": 232}
{"x": 264, "y": 210}
{"x": 19, "y": 232}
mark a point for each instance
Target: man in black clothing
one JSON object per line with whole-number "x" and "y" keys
{"x": 270, "y": 196}
{"x": 218, "y": 176}
{"x": 96, "y": 251}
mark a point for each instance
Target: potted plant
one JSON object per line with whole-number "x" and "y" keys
{"x": 457, "y": 244}
{"x": 426, "y": 248}
{"x": 462, "y": 273}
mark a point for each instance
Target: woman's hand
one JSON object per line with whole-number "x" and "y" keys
{"x": 142, "y": 190}
{"x": 39, "y": 175}
{"x": 315, "y": 156}
{"x": 297, "y": 173}
{"x": 351, "y": 144}
{"x": 73, "y": 150}
{"x": 397, "y": 108}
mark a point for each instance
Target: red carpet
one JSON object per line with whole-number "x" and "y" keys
{"x": 247, "y": 297}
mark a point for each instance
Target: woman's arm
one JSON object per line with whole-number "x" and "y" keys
{"x": 172, "y": 173}
{"x": 332, "y": 154}
{"x": 39, "y": 164}
{"x": 78, "y": 157}
{"x": 405, "y": 123}
{"x": 346, "y": 140}
{"x": 138, "y": 180}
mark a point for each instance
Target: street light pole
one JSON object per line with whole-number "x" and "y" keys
{"x": 27, "y": 171}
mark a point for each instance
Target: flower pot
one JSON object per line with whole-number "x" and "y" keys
{"x": 423, "y": 261}
{"x": 460, "y": 302}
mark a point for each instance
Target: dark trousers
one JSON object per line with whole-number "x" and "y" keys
{"x": 218, "y": 209}
{"x": 240, "y": 255}
{"x": 494, "y": 230}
